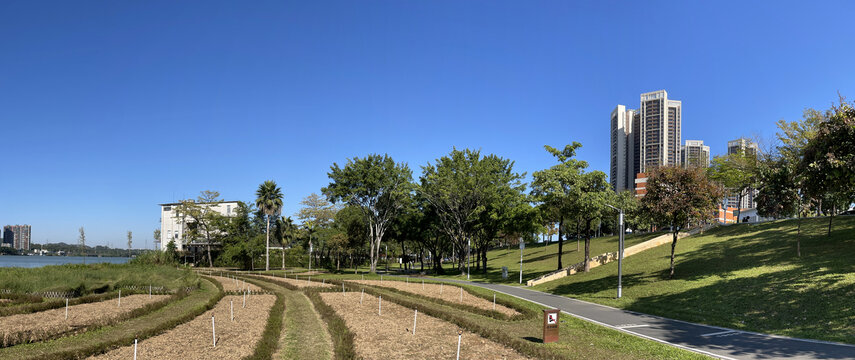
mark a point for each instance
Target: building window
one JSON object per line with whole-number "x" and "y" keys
{"x": 167, "y": 208}
{"x": 228, "y": 209}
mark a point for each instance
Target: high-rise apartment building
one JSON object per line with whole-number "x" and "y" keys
{"x": 750, "y": 148}
{"x": 621, "y": 173}
{"x": 644, "y": 139}
{"x": 742, "y": 145}
{"x": 695, "y": 154}
{"x": 18, "y": 236}
{"x": 660, "y": 136}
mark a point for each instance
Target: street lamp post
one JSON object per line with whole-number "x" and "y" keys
{"x": 620, "y": 250}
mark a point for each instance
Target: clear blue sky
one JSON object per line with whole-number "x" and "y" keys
{"x": 108, "y": 108}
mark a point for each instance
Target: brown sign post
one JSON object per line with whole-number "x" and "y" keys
{"x": 550, "y": 325}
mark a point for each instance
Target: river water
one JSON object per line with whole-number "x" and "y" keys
{"x": 39, "y": 261}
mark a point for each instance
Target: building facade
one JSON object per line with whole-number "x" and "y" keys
{"x": 750, "y": 148}
{"x": 644, "y": 139}
{"x": 695, "y": 154}
{"x": 742, "y": 145}
{"x": 621, "y": 173}
{"x": 17, "y": 236}
{"x": 173, "y": 226}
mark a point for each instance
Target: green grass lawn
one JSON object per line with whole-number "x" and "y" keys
{"x": 539, "y": 259}
{"x": 93, "y": 278}
{"x": 741, "y": 276}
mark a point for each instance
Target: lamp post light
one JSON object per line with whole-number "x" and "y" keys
{"x": 620, "y": 250}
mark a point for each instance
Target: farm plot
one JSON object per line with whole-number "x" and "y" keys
{"x": 389, "y": 335}
{"x": 300, "y": 282}
{"x": 236, "y": 285}
{"x": 452, "y": 294}
{"x": 22, "y": 328}
{"x": 194, "y": 339}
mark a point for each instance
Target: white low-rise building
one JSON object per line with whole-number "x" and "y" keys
{"x": 172, "y": 226}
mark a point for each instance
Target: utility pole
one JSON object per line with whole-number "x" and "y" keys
{"x": 620, "y": 250}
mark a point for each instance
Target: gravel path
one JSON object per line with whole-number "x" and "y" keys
{"x": 15, "y": 329}
{"x": 389, "y": 336}
{"x": 193, "y": 340}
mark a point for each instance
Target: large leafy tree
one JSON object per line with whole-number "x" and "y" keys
{"x": 269, "y": 202}
{"x": 377, "y": 186}
{"x": 557, "y": 189}
{"x": 594, "y": 192}
{"x": 284, "y": 231}
{"x": 778, "y": 196}
{"x": 828, "y": 164}
{"x": 503, "y": 203}
{"x": 317, "y": 215}
{"x": 737, "y": 172}
{"x": 675, "y": 196}
{"x": 203, "y": 222}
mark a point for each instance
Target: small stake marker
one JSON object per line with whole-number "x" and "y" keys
{"x": 149, "y": 293}
{"x": 135, "y": 349}
{"x": 380, "y": 305}
{"x": 324, "y": 281}
{"x": 461, "y": 294}
{"x": 423, "y": 284}
{"x": 459, "y": 335}
{"x": 232, "y": 309}
{"x": 66, "y": 308}
{"x": 342, "y": 287}
{"x": 213, "y": 331}
{"x": 244, "y": 299}
{"x": 361, "y": 296}
{"x": 120, "y": 298}
{"x": 494, "y": 301}
{"x": 414, "y": 321}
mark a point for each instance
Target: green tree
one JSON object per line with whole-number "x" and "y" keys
{"x": 269, "y": 202}
{"x": 130, "y": 241}
{"x": 778, "y": 194}
{"x": 503, "y": 200}
{"x": 557, "y": 188}
{"x": 737, "y": 172}
{"x": 81, "y": 240}
{"x": 828, "y": 164}
{"x": 376, "y": 185}
{"x": 284, "y": 231}
{"x": 203, "y": 222}
{"x": 593, "y": 193}
{"x": 676, "y": 196}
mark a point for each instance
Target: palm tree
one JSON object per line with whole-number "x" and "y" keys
{"x": 285, "y": 232}
{"x": 269, "y": 202}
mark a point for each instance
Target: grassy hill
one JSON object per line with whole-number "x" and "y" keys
{"x": 540, "y": 259}
{"x": 743, "y": 277}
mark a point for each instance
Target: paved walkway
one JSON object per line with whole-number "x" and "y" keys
{"x": 710, "y": 340}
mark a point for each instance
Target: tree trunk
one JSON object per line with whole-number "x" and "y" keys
{"x": 799, "y": 230}
{"x": 283, "y": 257}
{"x": 588, "y": 246}
{"x": 578, "y": 233}
{"x": 673, "y": 247}
{"x": 266, "y": 249}
{"x": 560, "y": 241}
{"x": 484, "y": 259}
{"x": 830, "y": 217}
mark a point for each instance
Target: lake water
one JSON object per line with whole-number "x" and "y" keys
{"x": 39, "y": 261}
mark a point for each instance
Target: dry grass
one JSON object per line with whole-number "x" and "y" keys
{"x": 389, "y": 336}
{"x": 303, "y": 282}
{"x": 193, "y": 340}
{"x": 232, "y": 285}
{"x": 22, "y": 328}
{"x": 444, "y": 292}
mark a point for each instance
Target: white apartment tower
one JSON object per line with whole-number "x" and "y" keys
{"x": 645, "y": 138}
{"x": 660, "y": 125}
{"x": 695, "y": 154}
{"x": 621, "y": 173}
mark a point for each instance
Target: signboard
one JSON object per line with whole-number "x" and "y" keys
{"x": 504, "y": 272}
{"x": 550, "y": 325}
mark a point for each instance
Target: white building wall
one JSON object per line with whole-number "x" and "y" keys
{"x": 172, "y": 228}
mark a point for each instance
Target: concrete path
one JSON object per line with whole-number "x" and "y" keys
{"x": 710, "y": 340}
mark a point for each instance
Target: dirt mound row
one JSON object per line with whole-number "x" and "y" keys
{"x": 15, "y": 329}
{"x": 236, "y": 285}
{"x": 389, "y": 336}
{"x": 300, "y": 282}
{"x": 194, "y": 339}
{"x": 445, "y": 292}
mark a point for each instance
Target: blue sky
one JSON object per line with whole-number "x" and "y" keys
{"x": 108, "y": 108}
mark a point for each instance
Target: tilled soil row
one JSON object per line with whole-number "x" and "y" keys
{"x": 389, "y": 334}
{"x": 236, "y": 285}
{"x": 452, "y": 294}
{"x": 194, "y": 339}
{"x": 301, "y": 282}
{"x": 22, "y": 328}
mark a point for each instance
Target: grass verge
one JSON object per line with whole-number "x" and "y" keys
{"x": 80, "y": 279}
{"x": 745, "y": 277}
